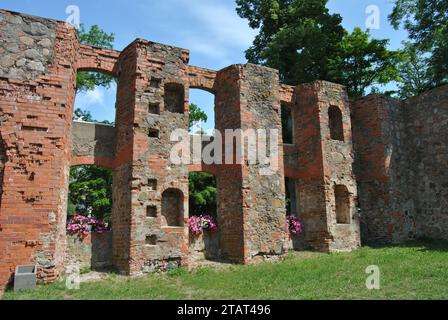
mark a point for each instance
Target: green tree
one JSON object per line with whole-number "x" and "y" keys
{"x": 305, "y": 42}
{"x": 297, "y": 37}
{"x": 427, "y": 24}
{"x": 202, "y": 193}
{"x": 96, "y": 37}
{"x": 82, "y": 115}
{"x": 363, "y": 62}
{"x": 90, "y": 191}
{"x": 196, "y": 115}
{"x": 413, "y": 71}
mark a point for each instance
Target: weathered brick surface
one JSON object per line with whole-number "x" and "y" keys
{"x": 400, "y": 153}
{"x": 36, "y": 109}
{"x": 318, "y": 163}
{"x": 247, "y": 98}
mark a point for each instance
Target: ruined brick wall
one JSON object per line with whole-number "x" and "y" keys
{"x": 247, "y": 98}
{"x": 37, "y": 78}
{"x": 318, "y": 163}
{"x": 161, "y": 106}
{"x": 382, "y": 169}
{"x": 400, "y": 152}
{"x": 400, "y": 155}
{"x": 426, "y": 148}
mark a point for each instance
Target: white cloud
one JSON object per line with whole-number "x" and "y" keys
{"x": 210, "y": 29}
{"x": 95, "y": 96}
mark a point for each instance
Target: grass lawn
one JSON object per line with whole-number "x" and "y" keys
{"x": 417, "y": 270}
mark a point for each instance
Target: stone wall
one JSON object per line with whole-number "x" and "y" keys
{"x": 161, "y": 106}
{"x": 93, "y": 252}
{"x": 2, "y": 167}
{"x": 381, "y": 168}
{"x": 427, "y": 160}
{"x": 400, "y": 156}
{"x": 93, "y": 143}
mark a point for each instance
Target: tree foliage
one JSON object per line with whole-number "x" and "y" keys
{"x": 297, "y": 37}
{"x": 90, "y": 191}
{"x": 202, "y": 190}
{"x": 196, "y": 115}
{"x": 86, "y": 81}
{"x": 362, "y": 62}
{"x": 414, "y": 72}
{"x": 427, "y": 24}
{"x": 305, "y": 42}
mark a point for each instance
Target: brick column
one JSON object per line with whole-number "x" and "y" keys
{"x": 324, "y": 165}
{"x": 151, "y": 194}
{"x": 251, "y": 208}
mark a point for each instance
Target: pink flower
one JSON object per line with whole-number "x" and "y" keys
{"x": 199, "y": 224}
{"x": 293, "y": 225}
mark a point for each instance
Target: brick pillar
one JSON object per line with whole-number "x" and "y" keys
{"x": 251, "y": 208}
{"x": 324, "y": 166}
{"x": 151, "y": 195}
{"x": 37, "y": 88}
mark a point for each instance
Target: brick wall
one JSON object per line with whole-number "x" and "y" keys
{"x": 318, "y": 163}
{"x": 36, "y": 100}
{"x": 399, "y": 149}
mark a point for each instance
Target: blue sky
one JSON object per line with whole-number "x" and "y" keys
{"x": 211, "y": 29}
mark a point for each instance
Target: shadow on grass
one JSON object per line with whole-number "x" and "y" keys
{"x": 422, "y": 245}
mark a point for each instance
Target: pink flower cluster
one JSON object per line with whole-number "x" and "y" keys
{"x": 199, "y": 224}
{"x": 293, "y": 224}
{"x": 82, "y": 226}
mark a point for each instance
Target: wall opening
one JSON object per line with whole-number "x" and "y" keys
{"x": 95, "y": 97}
{"x": 203, "y": 202}
{"x": 151, "y": 211}
{"x": 287, "y": 124}
{"x": 172, "y": 208}
{"x": 174, "y": 97}
{"x": 342, "y": 202}
{"x": 202, "y": 194}
{"x": 335, "y": 123}
{"x": 202, "y": 112}
{"x": 291, "y": 197}
{"x": 90, "y": 196}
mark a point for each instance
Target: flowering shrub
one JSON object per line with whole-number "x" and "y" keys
{"x": 82, "y": 226}
{"x": 293, "y": 224}
{"x": 199, "y": 224}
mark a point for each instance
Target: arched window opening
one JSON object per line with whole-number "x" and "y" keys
{"x": 95, "y": 97}
{"x": 342, "y": 202}
{"x": 202, "y": 112}
{"x": 335, "y": 122}
{"x": 172, "y": 208}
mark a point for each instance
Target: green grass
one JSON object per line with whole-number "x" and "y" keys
{"x": 411, "y": 271}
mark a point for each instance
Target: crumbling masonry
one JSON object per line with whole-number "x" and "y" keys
{"x": 387, "y": 184}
